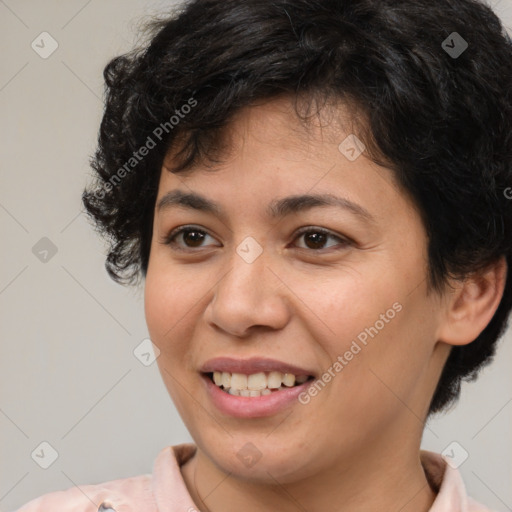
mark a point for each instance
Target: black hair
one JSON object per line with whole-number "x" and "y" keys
{"x": 432, "y": 78}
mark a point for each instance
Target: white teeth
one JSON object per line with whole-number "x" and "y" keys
{"x": 238, "y": 381}
{"x": 274, "y": 380}
{"x": 226, "y": 379}
{"x": 256, "y": 384}
{"x": 257, "y": 381}
{"x": 289, "y": 379}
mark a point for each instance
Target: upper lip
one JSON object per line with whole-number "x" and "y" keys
{"x": 250, "y": 366}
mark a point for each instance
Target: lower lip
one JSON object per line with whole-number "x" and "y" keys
{"x": 253, "y": 407}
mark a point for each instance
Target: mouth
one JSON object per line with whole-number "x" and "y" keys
{"x": 255, "y": 384}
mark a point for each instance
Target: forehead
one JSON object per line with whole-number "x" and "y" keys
{"x": 269, "y": 151}
{"x": 295, "y": 126}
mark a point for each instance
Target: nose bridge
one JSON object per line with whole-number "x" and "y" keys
{"x": 248, "y": 264}
{"x": 249, "y": 293}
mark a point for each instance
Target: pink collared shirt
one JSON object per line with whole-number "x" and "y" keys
{"x": 165, "y": 489}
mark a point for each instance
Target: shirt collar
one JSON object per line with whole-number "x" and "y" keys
{"x": 169, "y": 488}
{"x": 446, "y": 481}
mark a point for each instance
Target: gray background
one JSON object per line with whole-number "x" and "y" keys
{"x": 67, "y": 369}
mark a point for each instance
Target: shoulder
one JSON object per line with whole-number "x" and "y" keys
{"x": 142, "y": 493}
{"x": 124, "y": 495}
{"x": 475, "y": 506}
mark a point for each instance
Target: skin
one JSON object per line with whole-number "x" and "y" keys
{"x": 305, "y": 304}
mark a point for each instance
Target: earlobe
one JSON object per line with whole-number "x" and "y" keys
{"x": 472, "y": 304}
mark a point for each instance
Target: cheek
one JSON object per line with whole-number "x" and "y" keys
{"x": 167, "y": 290}
{"x": 385, "y": 364}
{"x": 346, "y": 304}
{"x": 171, "y": 299}
{"x": 371, "y": 322}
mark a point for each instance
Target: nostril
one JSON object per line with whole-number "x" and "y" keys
{"x": 105, "y": 507}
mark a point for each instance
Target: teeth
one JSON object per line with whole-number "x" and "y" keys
{"x": 226, "y": 379}
{"x": 256, "y": 384}
{"x": 289, "y": 379}
{"x": 256, "y": 381}
{"x": 274, "y": 380}
{"x": 238, "y": 381}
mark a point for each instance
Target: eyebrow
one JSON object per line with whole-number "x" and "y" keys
{"x": 278, "y": 208}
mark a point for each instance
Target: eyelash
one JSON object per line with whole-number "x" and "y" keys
{"x": 170, "y": 238}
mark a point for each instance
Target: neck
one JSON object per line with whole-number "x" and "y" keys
{"x": 382, "y": 482}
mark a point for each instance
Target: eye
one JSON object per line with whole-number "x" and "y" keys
{"x": 315, "y": 238}
{"x": 192, "y": 237}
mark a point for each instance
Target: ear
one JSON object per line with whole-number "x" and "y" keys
{"x": 471, "y": 304}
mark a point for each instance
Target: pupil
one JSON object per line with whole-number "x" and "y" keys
{"x": 198, "y": 237}
{"x": 318, "y": 239}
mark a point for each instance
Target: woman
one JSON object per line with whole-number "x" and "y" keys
{"x": 316, "y": 195}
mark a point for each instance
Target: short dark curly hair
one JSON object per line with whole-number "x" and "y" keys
{"x": 439, "y": 118}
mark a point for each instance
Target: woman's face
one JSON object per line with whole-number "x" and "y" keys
{"x": 243, "y": 283}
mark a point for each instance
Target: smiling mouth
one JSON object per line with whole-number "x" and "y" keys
{"x": 256, "y": 384}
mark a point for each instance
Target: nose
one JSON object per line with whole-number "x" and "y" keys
{"x": 250, "y": 295}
